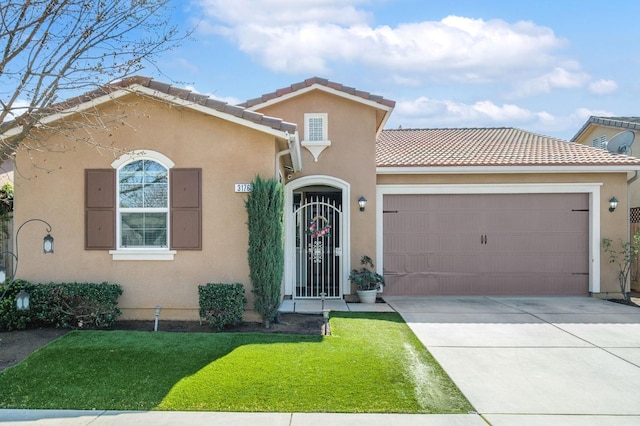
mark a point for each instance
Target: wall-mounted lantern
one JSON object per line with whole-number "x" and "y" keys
{"x": 362, "y": 202}
{"x": 613, "y": 203}
{"x": 47, "y": 244}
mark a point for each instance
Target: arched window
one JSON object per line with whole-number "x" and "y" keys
{"x": 143, "y": 204}
{"x": 143, "y": 208}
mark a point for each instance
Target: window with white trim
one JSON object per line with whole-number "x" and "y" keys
{"x": 316, "y": 133}
{"x": 143, "y": 205}
{"x": 315, "y": 127}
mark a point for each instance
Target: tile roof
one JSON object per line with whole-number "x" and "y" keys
{"x": 486, "y": 147}
{"x": 323, "y": 82}
{"x": 623, "y": 123}
{"x": 186, "y": 95}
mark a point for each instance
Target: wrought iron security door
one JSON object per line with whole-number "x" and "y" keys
{"x": 318, "y": 251}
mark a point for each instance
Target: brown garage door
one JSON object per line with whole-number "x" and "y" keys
{"x": 486, "y": 244}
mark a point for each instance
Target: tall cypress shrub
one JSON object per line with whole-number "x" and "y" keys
{"x": 265, "y": 207}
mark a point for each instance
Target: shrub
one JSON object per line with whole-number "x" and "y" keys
{"x": 222, "y": 304}
{"x": 265, "y": 207}
{"x": 623, "y": 258}
{"x": 74, "y": 305}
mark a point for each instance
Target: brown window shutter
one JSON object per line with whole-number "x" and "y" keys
{"x": 186, "y": 209}
{"x": 100, "y": 209}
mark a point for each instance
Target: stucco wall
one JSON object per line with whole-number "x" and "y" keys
{"x": 595, "y": 132}
{"x": 50, "y": 185}
{"x": 351, "y": 156}
{"x": 613, "y": 225}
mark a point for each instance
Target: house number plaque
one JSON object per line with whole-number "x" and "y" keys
{"x": 243, "y": 187}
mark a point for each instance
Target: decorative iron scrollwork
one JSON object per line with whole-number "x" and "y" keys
{"x": 316, "y": 251}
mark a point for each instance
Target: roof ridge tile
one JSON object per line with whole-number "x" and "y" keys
{"x": 320, "y": 81}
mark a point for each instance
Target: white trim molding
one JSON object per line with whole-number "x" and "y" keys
{"x": 289, "y": 276}
{"x": 135, "y": 254}
{"x": 314, "y": 145}
{"x": 593, "y": 189}
{"x": 142, "y": 253}
{"x": 140, "y": 154}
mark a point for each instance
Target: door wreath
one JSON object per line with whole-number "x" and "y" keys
{"x": 319, "y": 226}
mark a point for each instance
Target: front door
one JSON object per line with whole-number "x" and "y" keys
{"x": 318, "y": 219}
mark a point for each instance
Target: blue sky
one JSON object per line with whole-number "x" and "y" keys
{"x": 542, "y": 65}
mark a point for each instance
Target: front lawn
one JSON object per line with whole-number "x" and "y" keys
{"x": 371, "y": 363}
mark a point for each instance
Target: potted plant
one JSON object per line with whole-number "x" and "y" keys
{"x": 367, "y": 281}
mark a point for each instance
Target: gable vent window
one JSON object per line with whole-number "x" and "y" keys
{"x": 316, "y": 133}
{"x": 315, "y": 129}
{"x": 600, "y": 142}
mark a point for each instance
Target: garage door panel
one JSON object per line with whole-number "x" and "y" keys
{"x": 545, "y": 242}
{"x": 475, "y": 285}
{"x": 502, "y": 244}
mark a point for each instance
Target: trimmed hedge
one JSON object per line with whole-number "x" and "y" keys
{"x": 73, "y": 305}
{"x": 221, "y": 304}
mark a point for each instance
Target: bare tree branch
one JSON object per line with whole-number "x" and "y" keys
{"x": 56, "y": 49}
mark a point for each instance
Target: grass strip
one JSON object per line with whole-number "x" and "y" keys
{"x": 372, "y": 363}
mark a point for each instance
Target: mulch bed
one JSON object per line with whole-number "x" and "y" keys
{"x": 17, "y": 345}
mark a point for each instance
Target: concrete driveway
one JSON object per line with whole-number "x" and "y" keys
{"x": 526, "y": 360}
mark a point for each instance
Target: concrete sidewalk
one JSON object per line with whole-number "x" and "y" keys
{"x": 535, "y": 360}
{"x": 191, "y": 418}
{"x": 314, "y": 306}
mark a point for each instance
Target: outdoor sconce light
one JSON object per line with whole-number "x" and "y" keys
{"x": 362, "y": 202}
{"x": 156, "y": 313}
{"x": 3, "y": 275}
{"x": 613, "y": 203}
{"x": 22, "y": 300}
{"x": 47, "y": 244}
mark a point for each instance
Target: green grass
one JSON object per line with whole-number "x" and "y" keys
{"x": 371, "y": 363}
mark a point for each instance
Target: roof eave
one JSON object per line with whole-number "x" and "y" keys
{"x": 137, "y": 88}
{"x": 609, "y": 122}
{"x": 317, "y": 86}
{"x": 281, "y": 134}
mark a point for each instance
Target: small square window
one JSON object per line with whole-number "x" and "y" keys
{"x": 315, "y": 127}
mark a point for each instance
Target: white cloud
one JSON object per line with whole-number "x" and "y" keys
{"x": 312, "y": 36}
{"x": 603, "y": 87}
{"x": 423, "y": 112}
{"x": 276, "y": 13}
{"x": 558, "y": 78}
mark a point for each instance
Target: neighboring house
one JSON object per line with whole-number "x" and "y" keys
{"x": 597, "y": 132}
{"x": 159, "y": 207}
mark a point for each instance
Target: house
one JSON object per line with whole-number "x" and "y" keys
{"x": 157, "y": 203}
{"x": 598, "y": 131}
